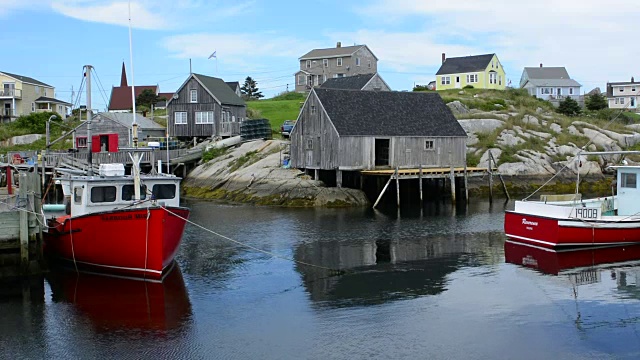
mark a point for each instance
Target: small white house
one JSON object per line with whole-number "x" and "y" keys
{"x": 623, "y": 95}
{"x": 550, "y": 83}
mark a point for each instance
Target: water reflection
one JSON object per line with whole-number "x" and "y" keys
{"x": 382, "y": 270}
{"x": 115, "y": 303}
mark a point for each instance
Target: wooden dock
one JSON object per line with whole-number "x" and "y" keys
{"x": 21, "y": 226}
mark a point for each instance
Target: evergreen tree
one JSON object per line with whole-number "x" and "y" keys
{"x": 595, "y": 102}
{"x": 250, "y": 89}
{"x": 569, "y": 107}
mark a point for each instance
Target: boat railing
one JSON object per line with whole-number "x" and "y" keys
{"x": 560, "y": 197}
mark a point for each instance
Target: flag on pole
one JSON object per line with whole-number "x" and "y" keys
{"x": 213, "y": 55}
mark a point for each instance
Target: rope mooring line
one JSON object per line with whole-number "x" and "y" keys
{"x": 334, "y": 272}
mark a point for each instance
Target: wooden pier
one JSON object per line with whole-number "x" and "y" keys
{"x": 21, "y": 225}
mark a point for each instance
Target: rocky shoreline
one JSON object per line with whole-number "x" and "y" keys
{"x": 250, "y": 173}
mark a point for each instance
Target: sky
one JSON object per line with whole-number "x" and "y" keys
{"x": 51, "y": 40}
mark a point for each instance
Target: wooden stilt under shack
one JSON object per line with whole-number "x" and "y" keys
{"x": 397, "y": 188}
{"x": 453, "y": 186}
{"x": 338, "y": 178}
{"x": 466, "y": 185}
{"x": 420, "y": 185}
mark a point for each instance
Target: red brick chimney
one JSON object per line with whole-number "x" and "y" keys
{"x": 632, "y": 79}
{"x": 444, "y": 57}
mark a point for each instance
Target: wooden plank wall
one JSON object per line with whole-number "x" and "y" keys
{"x": 324, "y": 139}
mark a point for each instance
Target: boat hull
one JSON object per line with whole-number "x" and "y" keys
{"x": 553, "y": 232}
{"x": 137, "y": 242}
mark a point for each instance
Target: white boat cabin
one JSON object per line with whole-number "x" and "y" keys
{"x": 628, "y": 193}
{"x": 112, "y": 190}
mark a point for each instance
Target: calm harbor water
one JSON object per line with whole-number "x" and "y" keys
{"x": 415, "y": 286}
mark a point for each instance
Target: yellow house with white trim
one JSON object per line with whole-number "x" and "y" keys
{"x": 479, "y": 71}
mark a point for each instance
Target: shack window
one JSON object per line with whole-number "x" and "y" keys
{"x": 164, "y": 191}
{"x": 428, "y": 145}
{"x": 77, "y": 195}
{"x": 309, "y": 144}
{"x": 81, "y": 142}
{"x": 102, "y": 194}
{"x": 628, "y": 180}
{"x": 127, "y": 192}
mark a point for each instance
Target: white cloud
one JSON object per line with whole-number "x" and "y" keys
{"x": 8, "y": 6}
{"x": 594, "y": 39}
{"x": 148, "y": 14}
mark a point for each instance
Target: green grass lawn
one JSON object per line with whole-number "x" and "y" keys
{"x": 277, "y": 111}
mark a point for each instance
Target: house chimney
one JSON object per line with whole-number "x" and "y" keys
{"x": 540, "y": 64}
{"x": 632, "y": 79}
{"x": 444, "y": 57}
{"x": 339, "y": 44}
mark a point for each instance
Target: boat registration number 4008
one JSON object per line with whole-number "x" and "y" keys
{"x": 586, "y": 213}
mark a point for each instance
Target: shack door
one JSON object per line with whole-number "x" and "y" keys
{"x": 113, "y": 142}
{"x": 95, "y": 143}
{"x": 382, "y": 152}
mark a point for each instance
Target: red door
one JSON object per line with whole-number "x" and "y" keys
{"x": 113, "y": 142}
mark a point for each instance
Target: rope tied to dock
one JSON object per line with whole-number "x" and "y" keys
{"x": 332, "y": 272}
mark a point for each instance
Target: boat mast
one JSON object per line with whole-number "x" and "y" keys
{"x": 134, "y": 124}
{"x": 87, "y": 74}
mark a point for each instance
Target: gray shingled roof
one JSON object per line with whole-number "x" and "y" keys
{"x": 26, "y": 79}
{"x": 126, "y": 119}
{"x": 220, "y": 90}
{"x": 465, "y": 64}
{"x": 547, "y": 73}
{"x": 554, "y": 82}
{"x": 389, "y": 113}
{"x": 43, "y": 99}
{"x": 331, "y": 52}
{"x": 355, "y": 82}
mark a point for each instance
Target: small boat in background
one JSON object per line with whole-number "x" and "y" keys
{"x": 107, "y": 229}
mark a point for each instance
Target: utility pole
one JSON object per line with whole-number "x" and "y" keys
{"x": 87, "y": 74}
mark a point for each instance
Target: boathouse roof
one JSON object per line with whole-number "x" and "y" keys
{"x": 388, "y": 113}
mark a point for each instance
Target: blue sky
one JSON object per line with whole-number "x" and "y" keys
{"x": 51, "y": 40}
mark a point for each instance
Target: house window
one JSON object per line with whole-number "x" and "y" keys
{"x": 628, "y": 180}
{"x": 339, "y": 62}
{"x": 325, "y": 62}
{"x": 181, "y": 117}
{"x": 81, "y": 142}
{"x": 309, "y": 145}
{"x": 193, "y": 96}
{"x": 102, "y": 194}
{"x": 621, "y": 89}
{"x": 33, "y": 107}
{"x": 500, "y": 80}
{"x": 472, "y": 78}
{"x": 318, "y": 79}
{"x": 570, "y": 91}
{"x": 492, "y": 78}
{"x": 204, "y": 117}
{"x": 492, "y": 62}
{"x": 313, "y": 109}
{"x": 446, "y": 80}
{"x": 37, "y": 90}
{"x": 633, "y": 89}
{"x": 621, "y": 101}
{"x": 357, "y": 61}
{"x": 301, "y": 79}
{"x": 308, "y": 64}
{"x": 369, "y": 64}
{"x": 324, "y": 78}
{"x": 340, "y": 75}
{"x": 127, "y": 192}
{"x": 77, "y": 195}
{"x": 428, "y": 145}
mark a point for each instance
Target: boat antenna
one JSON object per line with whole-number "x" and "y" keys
{"x": 134, "y": 124}
{"x": 87, "y": 74}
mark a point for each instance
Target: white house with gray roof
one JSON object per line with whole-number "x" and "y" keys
{"x": 550, "y": 83}
{"x": 623, "y": 95}
{"x": 318, "y": 65}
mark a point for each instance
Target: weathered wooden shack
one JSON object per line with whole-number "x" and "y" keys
{"x": 205, "y": 106}
{"x": 371, "y": 81}
{"x": 349, "y": 130}
{"x": 121, "y": 124}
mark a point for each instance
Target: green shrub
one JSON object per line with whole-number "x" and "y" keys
{"x": 36, "y": 123}
{"x": 213, "y": 153}
{"x": 468, "y": 87}
{"x": 472, "y": 159}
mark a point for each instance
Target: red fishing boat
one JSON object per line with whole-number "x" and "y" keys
{"x": 611, "y": 220}
{"x": 107, "y": 229}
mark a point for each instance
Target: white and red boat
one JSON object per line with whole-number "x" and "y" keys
{"x": 106, "y": 229}
{"x": 612, "y": 220}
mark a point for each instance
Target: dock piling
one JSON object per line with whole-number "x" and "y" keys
{"x": 420, "y": 184}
